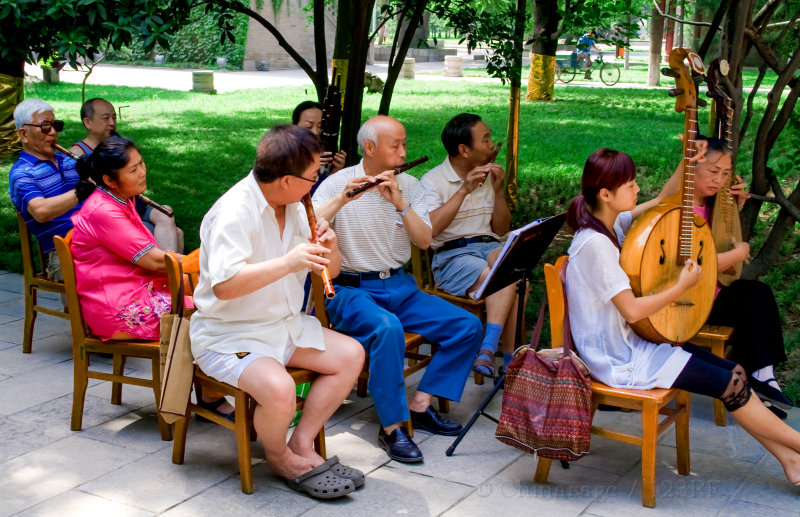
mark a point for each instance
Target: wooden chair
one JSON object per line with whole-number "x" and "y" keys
{"x": 35, "y": 281}
{"x": 244, "y": 404}
{"x": 421, "y": 261}
{"x": 715, "y": 338}
{"x": 85, "y": 343}
{"x": 651, "y": 403}
{"x": 416, "y": 359}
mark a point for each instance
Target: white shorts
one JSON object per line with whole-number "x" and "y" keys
{"x": 228, "y": 368}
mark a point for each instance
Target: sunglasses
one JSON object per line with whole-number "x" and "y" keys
{"x": 58, "y": 125}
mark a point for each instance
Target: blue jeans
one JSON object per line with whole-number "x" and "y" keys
{"x": 378, "y": 313}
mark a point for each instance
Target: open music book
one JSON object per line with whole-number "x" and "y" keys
{"x": 521, "y": 252}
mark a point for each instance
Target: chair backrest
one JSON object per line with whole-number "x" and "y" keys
{"x": 318, "y": 294}
{"x": 555, "y": 299}
{"x": 191, "y": 268}
{"x": 78, "y": 324}
{"x": 29, "y": 269}
{"x": 421, "y": 267}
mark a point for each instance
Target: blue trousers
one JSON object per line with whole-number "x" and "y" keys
{"x": 377, "y": 315}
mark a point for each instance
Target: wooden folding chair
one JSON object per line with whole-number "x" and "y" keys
{"x": 84, "y": 343}
{"x": 715, "y": 338}
{"x": 416, "y": 359}
{"x": 421, "y": 261}
{"x": 244, "y": 404}
{"x": 35, "y": 280}
{"x": 651, "y": 403}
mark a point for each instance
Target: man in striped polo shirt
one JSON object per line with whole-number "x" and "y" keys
{"x": 466, "y": 200}
{"x": 42, "y": 183}
{"x": 376, "y": 302}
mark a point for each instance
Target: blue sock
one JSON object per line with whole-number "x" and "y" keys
{"x": 490, "y": 340}
{"x": 507, "y": 359}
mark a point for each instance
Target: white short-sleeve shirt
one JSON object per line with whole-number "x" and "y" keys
{"x": 240, "y": 229}
{"x": 613, "y": 352}
{"x": 370, "y": 231}
{"x": 474, "y": 217}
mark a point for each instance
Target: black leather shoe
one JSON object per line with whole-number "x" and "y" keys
{"x": 768, "y": 393}
{"x": 399, "y": 446}
{"x": 431, "y": 421}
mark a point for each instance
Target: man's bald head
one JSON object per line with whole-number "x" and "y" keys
{"x": 382, "y": 141}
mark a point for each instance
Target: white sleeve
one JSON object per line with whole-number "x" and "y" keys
{"x": 228, "y": 242}
{"x": 597, "y": 261}
{"x": 416, "y": 197}
{"x": 431, "y": 197}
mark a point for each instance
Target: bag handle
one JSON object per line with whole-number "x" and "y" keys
{"x": 181, "y": 297}
{"x": 537, "y": 331}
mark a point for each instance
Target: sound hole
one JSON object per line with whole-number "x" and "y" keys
{"x": 700, "y": 254}
{"x": 663, "y": 257}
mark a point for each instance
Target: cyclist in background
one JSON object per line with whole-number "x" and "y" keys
{"x": 585, "y": 45}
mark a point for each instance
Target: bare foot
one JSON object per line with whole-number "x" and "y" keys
{"x": 291, "y": 465}
{"x": 791, "y": 468}
{"x": 306, "y": 451}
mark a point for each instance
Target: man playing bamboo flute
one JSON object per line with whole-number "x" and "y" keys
{"x": 466, "y": 200}
{"x": 376, "y": 302}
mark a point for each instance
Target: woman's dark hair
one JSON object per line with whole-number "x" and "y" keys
{"x": 109, "y": 157}
{"x": 285, "y": 150}
{"x": 604, "y": 169}
{"x": 305, "y": 105}
{"x": 457, "y": 131}
{"x": 715, "y": 144}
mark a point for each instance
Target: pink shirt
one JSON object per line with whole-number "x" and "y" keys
{"x": 116, "y": 295}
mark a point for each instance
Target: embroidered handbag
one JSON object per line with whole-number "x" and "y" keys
{"x": 547, "y": 400}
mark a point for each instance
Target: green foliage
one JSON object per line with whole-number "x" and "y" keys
{"x": 209, "y": 36}
{"x": 72, "y": 29}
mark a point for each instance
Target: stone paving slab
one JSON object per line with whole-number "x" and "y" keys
{"x": 118, "y": 465}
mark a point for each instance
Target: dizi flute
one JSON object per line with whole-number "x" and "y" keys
{"x": 400, "y": 168}
{"x": 327, "y": 283}
{"x": 161, "y": 208}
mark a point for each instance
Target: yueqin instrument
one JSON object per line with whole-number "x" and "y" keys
{"x": 726, "y": 227}
{"x": 661, "y": 240}
{"x": 397, "y": 170}
{"x": 312, "y": 222}
{"x": 146, "y": 200}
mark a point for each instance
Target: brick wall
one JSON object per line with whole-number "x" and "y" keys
{"x": 292, "y": 23}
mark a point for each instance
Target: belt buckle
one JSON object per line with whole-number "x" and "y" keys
{"x": 383, "y": 275}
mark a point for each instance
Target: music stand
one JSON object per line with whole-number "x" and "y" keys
{"x": 522, "y": 251}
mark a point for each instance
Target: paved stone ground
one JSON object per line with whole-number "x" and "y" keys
{"x": 117, "y": 465}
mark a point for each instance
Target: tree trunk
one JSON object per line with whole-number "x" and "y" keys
{"x": 350, "y": 58}
{"x": 669, "y": 27}
{"x": 541, "y": 77}
{"x": 512, "y": 134}
{"x": 769, "y": 251}
{"x": 656, "y": 35}
{"x": 12, "y": 92}
{"x": 399, "y": 52}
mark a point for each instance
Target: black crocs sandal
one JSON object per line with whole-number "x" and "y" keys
{"x": 214, "y": 406}
{"x": 321, "y": 483}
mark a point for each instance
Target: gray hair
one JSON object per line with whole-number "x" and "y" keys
{"x": 367, "y": 132}
{"x": 25, "y": 110}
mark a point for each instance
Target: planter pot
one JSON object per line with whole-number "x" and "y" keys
{"x": 222, "y": 62}
{"x": 159, "y": 59}
{"x": 50, "y": 75}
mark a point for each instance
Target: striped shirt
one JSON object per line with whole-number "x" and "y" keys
{"x": 370, "y": 231}
{"x": 31, "y": 177}
{"x": 474, "y": 216}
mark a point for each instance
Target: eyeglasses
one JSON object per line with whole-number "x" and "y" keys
{"x": 316, "y": 177}
{"x": 58, "y": 125}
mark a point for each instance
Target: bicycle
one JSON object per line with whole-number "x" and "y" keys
{"x": 567, "y": 70}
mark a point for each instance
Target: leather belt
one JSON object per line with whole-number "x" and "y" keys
{"x": 460, "y": 243}
{"x": 354, "y": 279}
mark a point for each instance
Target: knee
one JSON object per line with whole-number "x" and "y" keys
{"x": 387, "y": 324}
{"x": 278, "y": 391}
{"x": 738, "y": 391}
{"x": 351, "y": 357}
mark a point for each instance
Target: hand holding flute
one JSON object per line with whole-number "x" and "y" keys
{"x": 397, "y": 170}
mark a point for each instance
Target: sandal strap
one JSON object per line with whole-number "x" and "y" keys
{"x": 486, "y": 352}
{"x": 313, "y": 472}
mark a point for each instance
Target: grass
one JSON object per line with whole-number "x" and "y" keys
{"x": 637, "y": 73}
{"x": 197, "y": 146}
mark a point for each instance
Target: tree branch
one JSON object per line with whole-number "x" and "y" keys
{"x": 781, "y": 198}
{"x": 320, "y": 46}
{"x": 766, "y": 12}
{"x": 715, "y": 24}
{"x": 679, "y": 20}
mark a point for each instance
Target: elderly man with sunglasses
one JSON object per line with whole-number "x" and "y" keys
{"x": 43, "y": 184}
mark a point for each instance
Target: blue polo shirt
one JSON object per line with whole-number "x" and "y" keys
{"x": 31, "y": 177}
{"x": 585, "y": 44}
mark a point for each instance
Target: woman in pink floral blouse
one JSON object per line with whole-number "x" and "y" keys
{"x": 119, "y": 269}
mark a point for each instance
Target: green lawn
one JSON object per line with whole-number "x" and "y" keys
{"x": 637, "y": 73}
{"x": 196, "y": 146}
